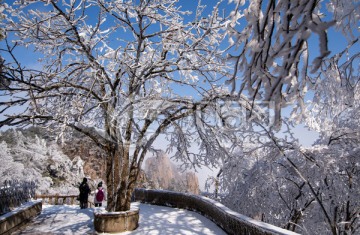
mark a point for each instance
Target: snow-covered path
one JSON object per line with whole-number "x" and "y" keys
{"x": 154, "y": 220}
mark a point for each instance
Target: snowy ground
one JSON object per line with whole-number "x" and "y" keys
{"x": 154, "y": 220}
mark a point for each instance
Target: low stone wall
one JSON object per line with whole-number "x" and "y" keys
{"x": 10, "y": 221}
{"x": 230, "y": 221}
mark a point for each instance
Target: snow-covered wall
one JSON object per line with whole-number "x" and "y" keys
{"x": 9, "y": 222}
{"x": 230, "y": 221}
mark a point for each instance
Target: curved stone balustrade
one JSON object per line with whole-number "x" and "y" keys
{"x": 230, "y": 221}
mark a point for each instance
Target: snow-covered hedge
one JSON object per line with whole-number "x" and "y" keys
{"x": 230, "y": 221}
{"x": 14, "y": 193}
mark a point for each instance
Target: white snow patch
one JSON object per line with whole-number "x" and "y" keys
{"x": 153, "y": 220}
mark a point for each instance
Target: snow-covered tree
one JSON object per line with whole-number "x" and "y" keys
{"x": 9, "y": 169}
{"x": 26, "y": 156}
{"x": 334, "y": 113}
{"x": 312, "y": 189}
{"x": 2, "y": 16}
{"x": 2, "y": 35}
{"x": 116, "y": 71}
{"x": 315, "y": 189}
{"x": 279, "y": 46}
{"x": 309, "y": 190}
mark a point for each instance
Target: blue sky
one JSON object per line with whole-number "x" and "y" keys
{"x": 336, "y": 39}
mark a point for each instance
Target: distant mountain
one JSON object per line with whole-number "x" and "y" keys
{"x": 162, "y": 174}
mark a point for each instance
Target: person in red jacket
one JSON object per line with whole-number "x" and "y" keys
{"x": 99, "y": 195}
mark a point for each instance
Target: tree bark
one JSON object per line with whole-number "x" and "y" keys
{"x": 113, "y": 162}
{"x": 122, "y": 202}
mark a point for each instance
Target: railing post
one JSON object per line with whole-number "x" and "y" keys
{"x": 57, "y": 199}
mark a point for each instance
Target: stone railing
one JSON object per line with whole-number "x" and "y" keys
{"x": 61, "y": 200}
{"x": 58, "y": 199}
{"x": 15, "y": 193}
{"x": 230, "y": 221}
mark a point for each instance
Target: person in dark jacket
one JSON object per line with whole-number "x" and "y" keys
{"x": 84, "y": 194}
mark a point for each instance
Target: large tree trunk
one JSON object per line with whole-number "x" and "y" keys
{"x": 133, "y": 176}
{"x": 122, "y": 201}
{"x": 118, "y": 178}
{"x": 113, "y": 162}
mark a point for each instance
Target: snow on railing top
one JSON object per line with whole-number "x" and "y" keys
{"x": 14, "y": 193}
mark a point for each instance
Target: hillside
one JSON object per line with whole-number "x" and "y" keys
{"x": 34, "y": 154}
{"x": 31, "y": 155}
